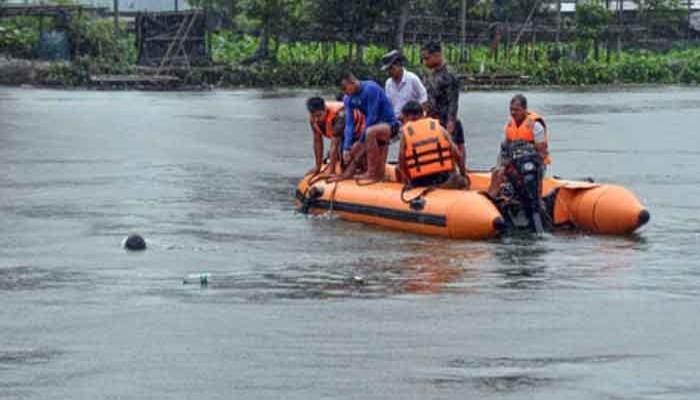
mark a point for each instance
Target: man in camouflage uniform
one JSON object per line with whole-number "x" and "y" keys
{"x": 443, "y": 93}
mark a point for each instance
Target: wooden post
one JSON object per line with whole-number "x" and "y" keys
{"x": 401, "y": 28}
{"x": 116, "y": 19}
{"x": 415, "y": 48}
{"x": 506, "y": 43}
{"x": 413, "y": 52}
{"x": 558, "y": 22}
{"x": 231, "y": 11}
{"x": 463, "y": 31}
{"x": 687, "y": 29}
{"x": 620, "y": 10}
{"x": 210, "y": 35}
{"x": 596, "y": 54}
{"x": 76, "y": 56}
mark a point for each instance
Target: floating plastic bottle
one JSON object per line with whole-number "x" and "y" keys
{"x": 192, "y": 279}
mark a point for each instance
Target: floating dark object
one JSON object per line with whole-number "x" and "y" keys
{"x": 358, "y": 280}
{"x": 135, "y": 242}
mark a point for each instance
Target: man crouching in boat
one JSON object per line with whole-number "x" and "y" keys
{"x": 380, "y": 121}
{"x": 427, "y": 154}
{"x": 328, "y": 119}
{"x": 523, "y": 125}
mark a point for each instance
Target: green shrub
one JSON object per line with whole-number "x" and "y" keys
{"x": 19, "y": 36}
{"x": 296, "y": 74}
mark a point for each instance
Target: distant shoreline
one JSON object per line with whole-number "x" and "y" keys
{"x": 66, "y": 76}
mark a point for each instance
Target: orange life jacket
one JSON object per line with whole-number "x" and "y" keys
{"x": 427, "y": 151}
{"x": 332, "y": 110}
{"x": 526, "y": 131}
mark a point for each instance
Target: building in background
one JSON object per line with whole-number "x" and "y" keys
{"x": 125, "y": 6}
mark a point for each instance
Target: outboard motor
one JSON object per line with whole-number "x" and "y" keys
{"x": 524, "y": 170}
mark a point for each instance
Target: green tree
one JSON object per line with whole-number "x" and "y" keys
{"x": 591, "y": 19}
{"x": 352, "y": 21}
{"x": 665, "y": 18}
{"x": 273, "y": 19}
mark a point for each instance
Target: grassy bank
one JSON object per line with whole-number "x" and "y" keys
{"x": 545, "y": 64}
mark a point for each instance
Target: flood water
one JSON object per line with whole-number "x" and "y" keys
{"x": 208, "y": 179}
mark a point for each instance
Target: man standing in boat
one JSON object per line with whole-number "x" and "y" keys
{"x": 526, "y": 125}
{"x": 328, "y": 119}
{"x": 381, "y": 124}
{"x": 402, "y": 85}
{"x": 427, "y": 154}
{"x": 443, "y": 92}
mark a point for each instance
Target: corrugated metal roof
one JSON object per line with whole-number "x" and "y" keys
{"x": 124, "y": 5}
{"x": 569, "y": 6}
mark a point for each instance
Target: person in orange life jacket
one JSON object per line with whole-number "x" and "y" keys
{"x": 427, "y": 154}
{"x": 380, "y": 121}
{"x": 328, "y": 119}
{"x": 522, "y": 125}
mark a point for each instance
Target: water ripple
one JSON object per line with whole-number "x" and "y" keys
{"x": 26, "y": 278}
{"x": 13, "y": 357}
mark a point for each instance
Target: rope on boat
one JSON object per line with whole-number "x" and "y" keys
{"x": 332, "y": 198}
{"x": 315, "y": 178}
{"x": 423, "y": 192}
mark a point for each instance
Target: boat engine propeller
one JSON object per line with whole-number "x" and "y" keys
{"x": 521, "y": 203}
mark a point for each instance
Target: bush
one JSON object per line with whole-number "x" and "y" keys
{"x": 19, "y": 36}
{"x": 97, "y": 41}
{"x": 63, "y": 74}
{"x": 293, "y": 74}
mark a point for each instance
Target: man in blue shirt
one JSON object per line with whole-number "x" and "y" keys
{"x": 380, "y": 121}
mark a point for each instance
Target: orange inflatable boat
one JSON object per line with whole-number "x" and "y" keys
{"x": 469, "y": 214}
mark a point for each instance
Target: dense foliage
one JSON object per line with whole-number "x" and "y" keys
{"x": 263, "y": 42}
{"x": 19, "y": 36}
{"x": 305, "y": 66}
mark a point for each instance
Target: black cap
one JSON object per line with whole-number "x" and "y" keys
{"x": 390, "y": 58}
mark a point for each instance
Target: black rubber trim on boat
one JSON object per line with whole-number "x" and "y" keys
{"x": 644, "y": 217}
{"x": 499, "y": 224}
{"x": 388, "y": 213}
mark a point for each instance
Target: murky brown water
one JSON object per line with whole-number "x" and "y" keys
{"x": 208, "y": 179}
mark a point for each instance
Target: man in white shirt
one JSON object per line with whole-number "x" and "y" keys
{"x": 402, "y": 86}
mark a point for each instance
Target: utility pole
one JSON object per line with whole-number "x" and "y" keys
{"x": 176, "y": 5}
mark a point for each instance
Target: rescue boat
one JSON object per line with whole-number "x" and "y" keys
{"x": 469, "y": 214}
